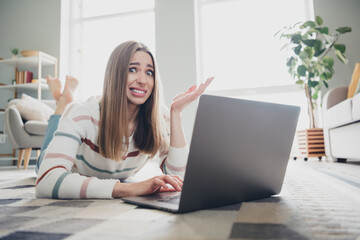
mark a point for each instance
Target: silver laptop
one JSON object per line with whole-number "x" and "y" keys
{"x": 239, "y": 152}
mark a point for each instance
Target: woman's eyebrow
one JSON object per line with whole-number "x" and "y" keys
{"x": 138, "y": 64}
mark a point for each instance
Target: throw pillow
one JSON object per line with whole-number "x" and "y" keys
{"x": 357, "y": 91}
{"x": 33, "y": 109}
{"x": 354, "y": 81}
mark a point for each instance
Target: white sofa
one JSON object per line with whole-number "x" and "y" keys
{"x": 341, "y": 123}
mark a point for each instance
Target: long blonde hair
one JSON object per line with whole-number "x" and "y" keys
{"x": 150, "y": 132}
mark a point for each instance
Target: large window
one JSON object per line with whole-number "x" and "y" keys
{"x": 96, "y": 28}
{"x": 238, "y": 44}
{"x": 238, "y": 47}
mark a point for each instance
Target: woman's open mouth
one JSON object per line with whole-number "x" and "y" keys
{"x": 138, "y": 92}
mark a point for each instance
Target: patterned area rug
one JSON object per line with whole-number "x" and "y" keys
{"x": 319, "y": 200}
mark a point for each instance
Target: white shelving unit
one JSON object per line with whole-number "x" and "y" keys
{"x": 36, "y": 63}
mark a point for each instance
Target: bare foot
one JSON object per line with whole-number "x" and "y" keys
{"x": 67, "y": 95}
{"x": 54, "y": 86}
{"x": 71, "y": 84}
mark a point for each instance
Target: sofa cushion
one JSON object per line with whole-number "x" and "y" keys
{"x": 340, "y": 114}
{"x": 33, "y": 109}
{"x": 345, "y": 140}
{"x": 356, "y": 107}
{"x": 34, "y": 127}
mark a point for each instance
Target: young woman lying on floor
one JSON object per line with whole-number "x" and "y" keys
{"x": 90, "y": 146}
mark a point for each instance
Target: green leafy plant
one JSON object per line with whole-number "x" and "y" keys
{"x": 14, "y": 51}
{"x": 309, "y": 63}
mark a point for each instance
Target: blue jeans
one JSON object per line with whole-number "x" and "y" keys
{"x": 49, "y": 134}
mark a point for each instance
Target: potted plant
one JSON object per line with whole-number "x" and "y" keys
{"x": 309, "y": 62}
{"x": 15, "y": 52}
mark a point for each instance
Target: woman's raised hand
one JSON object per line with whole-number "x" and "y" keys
{"x": 185, "y": 98}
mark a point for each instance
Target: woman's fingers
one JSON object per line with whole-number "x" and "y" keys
{"x": 194, "y": 92}
{"x": 181, "y": 95}
{"x": 162, "y": 181}
{"x": 199, "y": 90}
{"x": 166, "y": 179}
{"x": 202, "y": 87}
{"x": 179, "y": 184}
{"x": 172, "y": 182}
{"x": 209, "y": 80}
{"x": 158, "y": 183}
{"x": 191, "y": 89}
{"x": 179, "y": 180}
{"x": 167, "y": 189}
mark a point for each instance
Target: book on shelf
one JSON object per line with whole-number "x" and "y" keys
{"x": 22, "y": 77}
{"x": 28, "y": 76}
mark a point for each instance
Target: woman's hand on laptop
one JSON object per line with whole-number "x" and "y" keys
{"x": 162, "y": 183}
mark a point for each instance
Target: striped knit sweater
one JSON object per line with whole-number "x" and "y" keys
{"x": 73, "y": 168}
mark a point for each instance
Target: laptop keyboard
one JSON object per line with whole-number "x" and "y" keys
{"x": 172, "y": 197}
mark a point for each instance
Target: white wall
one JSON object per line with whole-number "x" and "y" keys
{"x": 30, "y": 24}
{"x": 27, "y": 25}
{"x": 176, "y": 53}
{"x": 339, "y": 13}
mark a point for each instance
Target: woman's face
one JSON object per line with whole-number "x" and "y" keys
{"x": 140, "y": 79}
